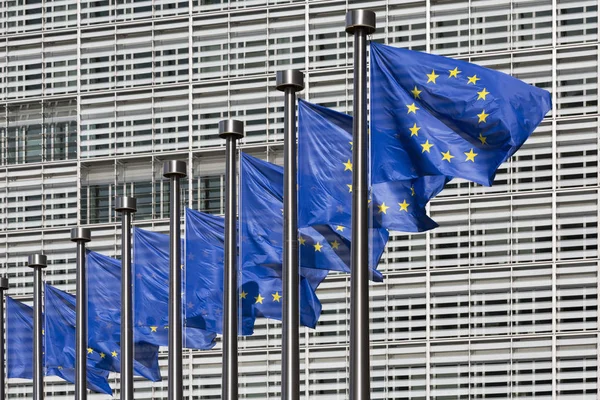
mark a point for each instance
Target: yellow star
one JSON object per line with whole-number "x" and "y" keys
{"x": 351, "y": 145}
{"x": 301, "y": 240}
{"x": 90, "y": 350}
{"x": 404, "y": 206}
{"x": 473, "y": 79}
{"x": 482, "y": 139}
{"x": 412, "y": 108}
{"x": 102, "y": 355}
{"x": 349, "y": 188}
{"x": 335, "y": 244}
{"x": 416, "y": 92}
{"x": 276, "y": 297}
{"x": 259, "y": 299}
{"x": 470, "y": 156}
{"x": 432, "y": 77}
{"x": 454, "y": 72}
{"x": 166, "y": 327}
{"x": 383, "y": 208}
{"x": 482, "y": 116}
{"x": 243, "y": 295}
{"x": 426, "y": 146}
{"x": 153, "y": 328}
{"x": 348, "y": 166}
{"x": 414, "y": 131}
{"x": 482, "y": 94}
{"x": 318, "y": 246}
{"x": 412, "y": 190}
{"x": 114, "y": 354}
{"x": 339, "y": 228}
{"x": 447, "y": 156}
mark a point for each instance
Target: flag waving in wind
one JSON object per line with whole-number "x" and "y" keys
{"x": 19, "y": 339}
{"x": 432, "y": 115}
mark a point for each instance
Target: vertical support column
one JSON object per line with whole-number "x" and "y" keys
{"x": 360, "y": 23}
{"x": 231, "y": 130}
{"x": 81, "y": 236}
{"x": 3, "y": 287}
{"x": 38, "y": 262}
{"x": 126, "y": 206}
{"x": 175, "y": 170}
{"x": 290, "y": 82}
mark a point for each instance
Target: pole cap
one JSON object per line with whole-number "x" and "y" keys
{"x": 3, "y": 283}
{"x": 125, "y": 204}
{"x": 175, "y": 169}
{"x": 81, "y": 234}
{"x": 289, "y": 78}
{"x": 364, "y": 19}
{"x": 37, "y": 261}
{"x": 231, "y": 128}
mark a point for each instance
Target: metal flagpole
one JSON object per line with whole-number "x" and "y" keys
{"x": 126, "y": 206}
{"x": 290, "y": 82}
{"x": 37, "y": 262}
{"x": 3, "y": 287}
{"x": 175, "y": 170}
{"x": 360, "y": 23}
{"x": 230, "y": 130}
{"x": 81, "y": 236}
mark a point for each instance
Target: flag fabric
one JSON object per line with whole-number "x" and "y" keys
{"x": 151, "y": 293}
{"x": 19, "y": 339}
{"x": 325, "y": 179}
{"x": 59, "y": 339}
{"x": 104, "y": 319}
{"x": 432, "y": 115}
{"x": 261, "y": 291}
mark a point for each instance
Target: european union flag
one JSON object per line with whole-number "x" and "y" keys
{"x": 151, "y": 293}
{"x": 432, "y": 115}
{"x": 104, "y": 319}
{"x": 325, "y": 179}
{"x": 59, "y": 341}
{"x": 19, "y": 339}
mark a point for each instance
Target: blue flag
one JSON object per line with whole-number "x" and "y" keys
{"x": 19, "y": 339}
{"x": 151, "y": 293}
{"x": 104, "y": 319}
{"x": 432, "y": 115}
{"x": 59, "y": 341}
{"x": 325, "y": 178}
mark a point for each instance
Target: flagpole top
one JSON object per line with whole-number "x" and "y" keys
{"x": 37, "y": 261}
{"x": 126, "y": 204}
{"x": 3, "y": 283}
{"x": 81, "y": 234}
{"x": 175, "y": 168}
{"x": 231, "y": 128}
{"x": 365, "y": 19}
{"x": 290, "y": 78}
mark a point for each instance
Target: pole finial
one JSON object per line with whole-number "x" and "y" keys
{"x": 364, "y": 19}
{"x": 289, "y": 78}
{"x": 231, "y": 128}
{"x": 79, "y": 234}
{"x": 174, "y": 168}
{"x": 3, "y": 283}
{"x": 125, "y": 204}
{"x": 37, "y": 261}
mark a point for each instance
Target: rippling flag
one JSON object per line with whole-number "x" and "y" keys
{"x": 325, "y": 179}
{"x": 151, "y": 293}
{"x": 19, "y": 339}
{"x": 59, "y": 339}
{"x": 432, "y": 115}
{"x": 104, "y": 319}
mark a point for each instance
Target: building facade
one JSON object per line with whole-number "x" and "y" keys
{"x": 500, "y": 301}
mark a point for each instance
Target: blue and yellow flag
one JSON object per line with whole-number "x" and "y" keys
{"x": 151, "y": 293}
{"x": 104, "y": 320}
{"x": 19, "y": 339}
{"x": 325, "y": 179}
{"x": 432, "y": 115}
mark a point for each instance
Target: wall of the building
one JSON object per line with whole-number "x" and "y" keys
{"x": 499, "y": 301}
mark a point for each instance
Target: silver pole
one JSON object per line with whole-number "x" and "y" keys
{"x": 230, "y": 130}
{"x": 290, "y": 82}
{"x": 360, "y": 23}
{"x": 37, "y": 262}
{"x": 3, "y": 287}
{"x": 126, "y": 206}
{"x": 81, "y": 236}
{"x": 175, "y": 170}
